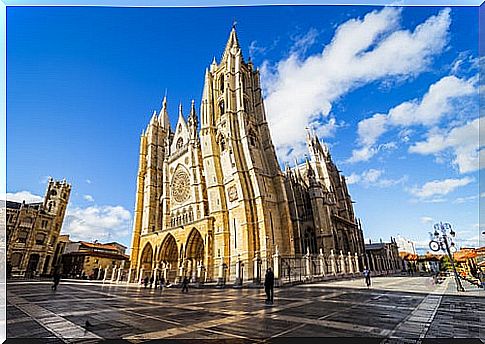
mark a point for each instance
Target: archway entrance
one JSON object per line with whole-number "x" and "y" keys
{"x": 32, "y": 265}
{"x": 194, "y": 256}
{"x": 168, "y": 258}
{"x": 146, "y": 261}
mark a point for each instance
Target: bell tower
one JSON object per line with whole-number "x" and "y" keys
{"x": 244, "y": 181}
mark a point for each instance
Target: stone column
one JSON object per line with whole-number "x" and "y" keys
{"x": 356, "y": 260}
{"x": 181, "y": 271}
{"x": 120, "y": 273}
{"x": 238, "y": 280}
{"x": 113, "y": 274}
{"x": 200, "y": 272}
{"x": 342, "y": 263}
{"x": 220, "y": 278}
{"x": 193, "y": 267}
{"x": 140, "y": 275}
{"x": 333, "y": 263}
{"x": 276, "y": 263}
{"x": 257, "y": 268}
{"x": 105, "y": 273}
{"x": 322, "y": 262}
{"x": 308, "y": 264}
{"x": 351, "y": 264}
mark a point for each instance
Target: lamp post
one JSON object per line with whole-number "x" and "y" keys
{"x": 440, "y": 242}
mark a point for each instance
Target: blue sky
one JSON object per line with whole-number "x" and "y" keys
{"x": 392, "y": 91}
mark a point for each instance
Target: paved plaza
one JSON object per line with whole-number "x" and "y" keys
{"x": 394, "y": 307}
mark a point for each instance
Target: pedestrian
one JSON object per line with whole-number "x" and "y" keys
{"x": 151, "y": 282}
{"x": 145, "y": 281}
{"x": 185, "y": 285}
{"x": 162, "y": 282}
{"x": 56, "y": 279}
{"x": 481, "y": 278}
{"x": 367, "y": 277}
{"x": 268, "y": 286}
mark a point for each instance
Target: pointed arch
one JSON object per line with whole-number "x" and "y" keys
{"x": 146, "y": 257}
{"x": 168, "y": 250}
{"x": 194, "y": 247}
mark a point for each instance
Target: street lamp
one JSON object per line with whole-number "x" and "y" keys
{"x": 443, "y": 242}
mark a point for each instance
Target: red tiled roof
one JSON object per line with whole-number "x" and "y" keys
{"x": 101, "y": 246}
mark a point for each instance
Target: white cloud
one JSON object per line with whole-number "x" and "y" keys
{"x": 102, "y": 223}
{"x": 426, "y": 219}
{"x": 460, "y": 200}
{"x": 443, "y": 98}
{"x": 26, "y": 196}
{"x": 440, "y": 187}
{"x": 88, "y": 198}
{"x": 88, "y": 181}
{"x": 462, "y": 141}
{"x": 373, "y": 177}
{"x": 301, "y": 91}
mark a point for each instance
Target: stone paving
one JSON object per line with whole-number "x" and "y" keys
{"x": 394, "y": 309}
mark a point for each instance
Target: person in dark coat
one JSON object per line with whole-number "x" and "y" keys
{"x": 56, "y": 279}
{"x": 145, "y": 281}
{"x": 162, "y": 283}
{"x": 151, "y": 281}
{"x": 185, "y": 285}
{"x": 268, "y": 286}
{"x": 367, "y": 277}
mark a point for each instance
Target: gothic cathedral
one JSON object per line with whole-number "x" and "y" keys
{"x": 214, "y": 205}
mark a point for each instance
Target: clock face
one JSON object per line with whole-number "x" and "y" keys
{"x": 180, "y": 186}
{"x": 434, "y": 246}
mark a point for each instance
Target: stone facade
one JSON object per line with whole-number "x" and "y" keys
{"x": 33, "y": 231}
{"x": 95, "y": 261}
{"x": 383, "y": 257}
{"x": 213, "y": 203}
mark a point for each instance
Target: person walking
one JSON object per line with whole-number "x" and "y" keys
{"x": 367, "y": 277}
{"x": 145, "y": 281}
{"x": 162, "y": 283}
{"x": 268, "y": 286}
{"x": 185, "y": 285}
{"x": 151, "y": 282}
{"x": 56, "y": 279}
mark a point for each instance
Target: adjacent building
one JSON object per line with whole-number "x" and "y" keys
{"x": 94, "y": 260}
{"x": 212, "y": 202}
{"x": 383, "y": 256}
{"x": 33, "y": 231}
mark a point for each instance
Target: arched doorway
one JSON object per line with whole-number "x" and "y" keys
{"x": 194, "y": 255}
{"x": 146, "y": 260}
{"x": 32, "y": 265}
{"x": 168, "y": 257}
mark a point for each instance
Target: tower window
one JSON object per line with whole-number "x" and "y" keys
{"x": 223, "y": 144}
{"x": 53, "y": 193}
{"x": 180, "y": 143}
{"x": 221, "y": 108}
{"x": 221, "y": 83}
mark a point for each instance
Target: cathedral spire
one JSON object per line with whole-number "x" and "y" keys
{"x": 232, "y": 42}
{"x": 163, "y": 115}
{"x": 193, "y": 120}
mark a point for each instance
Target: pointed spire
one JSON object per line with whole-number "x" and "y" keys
{"x": 232, "y": 42}
{"x": 154, "y": 118}
{"x": 163, "y": 115}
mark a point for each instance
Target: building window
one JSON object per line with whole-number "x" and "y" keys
{"x": 221, "y": 83}
{"x": 53, "y": 240}
{"x": 44, "y": 223}
{"x": 16, "y": 259}
{"x": 40, "y": 239}
{"x": 180, "y": 143}
{"x": 221, "y": 107}
{"x": 22, "y": 237}
{"x": 53, "y": 193}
